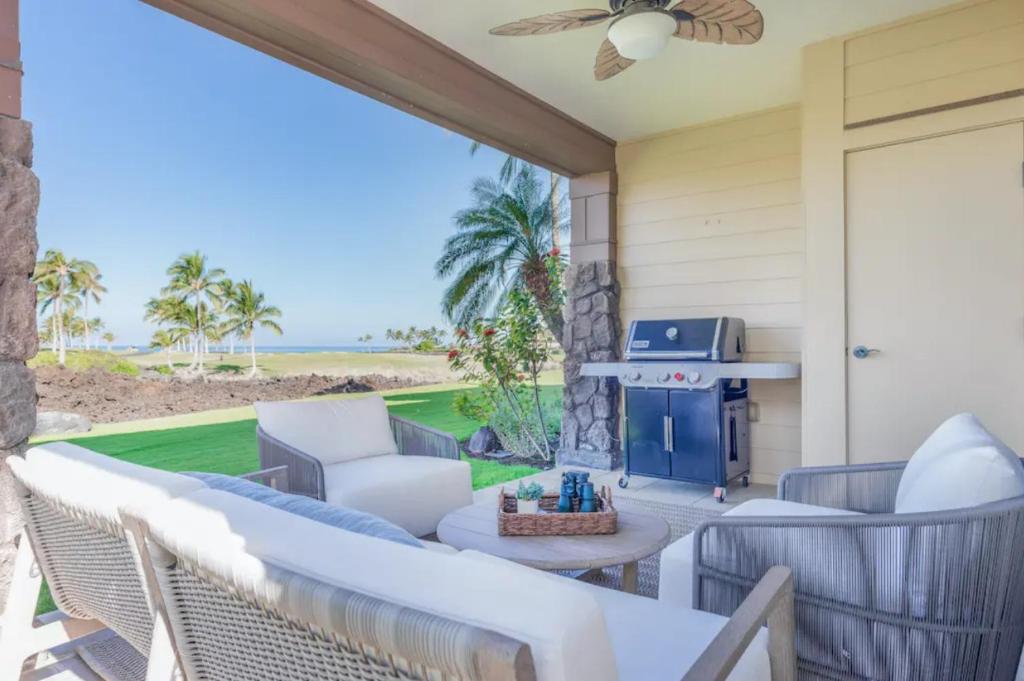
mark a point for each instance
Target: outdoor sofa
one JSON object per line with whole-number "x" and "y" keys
{"x": 907, "y": 570}
{"x": 353, "y": 453}
{"x": 236, "y": 584}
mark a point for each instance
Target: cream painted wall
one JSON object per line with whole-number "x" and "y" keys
{"x": 855, "y": 89}
{"x": 710, "y": 222}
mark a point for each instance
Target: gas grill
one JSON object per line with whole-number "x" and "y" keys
{"x": 685, "y": 385}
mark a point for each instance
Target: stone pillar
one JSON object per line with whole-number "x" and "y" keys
{"x": 19, "y": 201}
{"x": 590, "y": 417}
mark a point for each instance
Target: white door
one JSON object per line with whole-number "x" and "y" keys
{"x": 935, "y": 284}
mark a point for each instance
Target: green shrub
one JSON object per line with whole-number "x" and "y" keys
{"x": 510, "y": 428}
{"x": 163, "y": 369}
{"x": 84, "y": 360}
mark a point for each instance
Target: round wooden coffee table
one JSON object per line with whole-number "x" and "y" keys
{"x": 640, "y": 535}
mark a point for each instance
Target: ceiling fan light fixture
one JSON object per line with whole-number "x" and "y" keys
{"x": 642, "y": 35}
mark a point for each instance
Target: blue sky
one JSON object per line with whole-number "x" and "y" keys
{"x": 154, "y": 137}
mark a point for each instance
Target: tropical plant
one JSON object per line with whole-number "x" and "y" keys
{"x": 90, "y": 286}
{"x": 109, "y": 339}
{"x": 59, "y": 278}
{"x": 164, "y": 340}
{"x": 246, "y": 311}
{"x": 228, "y": 291}
{"x": 193, "y": 279}
{"x": 502, "y": 243}
{"x": 93, "y": 327}
{"x": 511, "y": 166}
{"x": 505, "y": 359}
{"x": 368, "y": 339}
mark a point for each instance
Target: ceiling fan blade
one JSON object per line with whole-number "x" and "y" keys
{"x": 733, "y": 22}
{"x": 609, "y": 62}
{"x": 554, "y": 22}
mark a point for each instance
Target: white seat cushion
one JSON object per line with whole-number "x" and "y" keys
{"x": 960, "y": 465}
{"x": 332, "y": 431}
{"x": 675, "y": 584}
{"x": 652, "y": 640}
{"x": 234, "y": 538}
{"x": 413, "y": 492}
{"x": 96, "y": 484}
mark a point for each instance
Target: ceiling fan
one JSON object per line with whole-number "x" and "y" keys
{"x": 641, "y": 29}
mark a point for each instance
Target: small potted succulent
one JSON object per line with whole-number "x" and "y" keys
{"x": 528, "y": 497}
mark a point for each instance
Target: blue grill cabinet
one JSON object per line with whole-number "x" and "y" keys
{"x": 686, "y": 410}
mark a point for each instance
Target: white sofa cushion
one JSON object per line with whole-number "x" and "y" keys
{"x": 97, "y": 484}
{"x": 332, "y": 431}
{"x": 413, "y": 492}
{"x": 960, "y": 465}
{"x": 234, "y": 538}
{"x": 653, "y": 640}
{"x": 675, "y": 584}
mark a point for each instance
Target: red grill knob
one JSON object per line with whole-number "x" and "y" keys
{"x": 678, "y": 376}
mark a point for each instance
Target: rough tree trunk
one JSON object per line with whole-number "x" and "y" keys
{"x": 19, "y": 341}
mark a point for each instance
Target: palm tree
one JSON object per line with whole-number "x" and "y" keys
{"x": 368, "y": 339}
{"x": 89, "y": 285}
{"x": 59, "y": 276}
{"x": 246, "y": 311}
{"x": 109, "y": 339}
{"x": 192, "y": 278}
{"x": 227, "y": 289}
{"x": 511, "y": 167}
{"x": 501, "y": 243}
{"x": 165, "y": 340}
{"x": 92, "y": 326}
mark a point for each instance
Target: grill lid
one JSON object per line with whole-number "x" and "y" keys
{"x": 716, "y": 339}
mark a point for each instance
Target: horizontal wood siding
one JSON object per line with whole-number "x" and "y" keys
{"x": 711, "y": 223}
{"x": 970, "y": 52}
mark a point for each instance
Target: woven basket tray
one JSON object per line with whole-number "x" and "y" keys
{"x": 548, "y": 521}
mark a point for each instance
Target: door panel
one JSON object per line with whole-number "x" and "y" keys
{"x": 645, "y": 431}
{"x": 935, "y": 283}
{"x": 695, "y": 450}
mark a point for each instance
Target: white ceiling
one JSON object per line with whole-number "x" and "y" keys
{"x": 689, "y": 83}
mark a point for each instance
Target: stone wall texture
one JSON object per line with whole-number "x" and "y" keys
{"x": 590, "y": 421}
{"x": 19, "y": 204}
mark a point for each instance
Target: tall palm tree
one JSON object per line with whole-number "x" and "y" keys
{"x": 92, "y": 326}
{"x": 89, "y": 284}
{"x": 109, "y": 339}
{"x": 60, "y": 276}
{"x": 247, "y": 310}
{"x": 192, "y": 278}
{"x": 511, "y": 167}
{"x": 228, "y": 290}
{"x": 501, "y": 243}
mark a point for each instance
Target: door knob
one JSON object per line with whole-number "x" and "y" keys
{"x": 861, "y": 351}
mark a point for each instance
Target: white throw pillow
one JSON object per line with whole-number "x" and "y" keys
{"x": 960, "y": 465}
{"x": 332, "y": 431}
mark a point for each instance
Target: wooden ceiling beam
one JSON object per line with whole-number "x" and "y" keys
{"x": 358, "y": 45}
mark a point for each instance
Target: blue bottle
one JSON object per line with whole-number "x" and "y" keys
{"x": 588, "y": 504}
{"x": 566, "y": 493}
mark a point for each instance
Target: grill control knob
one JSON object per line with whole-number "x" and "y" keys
{"x": 671, "y": 333}
{"x": 664, "y": 378}
{"x": 679, "y": 376}
{"x": 693, "y": 377}
{"x": 632, "y": 376}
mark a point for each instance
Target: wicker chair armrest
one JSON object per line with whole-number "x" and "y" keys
{"x": 771, "y": 602}
{"x": 865, "y": 488}
{"x": 305, "y": 472}
{"x": 419, "y": 440}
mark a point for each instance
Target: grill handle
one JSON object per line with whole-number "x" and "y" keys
{"x": 667, "y": 434}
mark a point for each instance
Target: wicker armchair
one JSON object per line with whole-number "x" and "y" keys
{"x": 935, "y": 596}
{"x": 306, "y": 473}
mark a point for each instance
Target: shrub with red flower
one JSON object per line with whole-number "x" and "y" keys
{"x": 452, "y": 354}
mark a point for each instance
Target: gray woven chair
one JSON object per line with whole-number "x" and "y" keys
{"x": 306, "y": 473}
{"x": 933, "y": 596}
